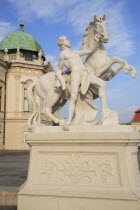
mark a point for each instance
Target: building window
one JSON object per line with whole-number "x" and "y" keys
{"x": 28, "y": 57}
{"x": 26, "y": 103}
{"x": 0, "y": 99}
{"x": 12, "y": 57}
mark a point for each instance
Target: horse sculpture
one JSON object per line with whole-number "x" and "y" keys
{"x": 98, "y": 62}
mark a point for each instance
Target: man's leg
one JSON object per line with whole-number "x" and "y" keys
{"x": 75, "y": 83}
{"x": 102, "y": 95}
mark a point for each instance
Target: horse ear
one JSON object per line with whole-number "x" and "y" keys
{"x": 104, "y": 16}
{"x": 95, "y": 18}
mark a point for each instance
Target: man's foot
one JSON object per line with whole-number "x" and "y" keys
{"x": 66, "y": 126}
{"x": 62, "y": 122}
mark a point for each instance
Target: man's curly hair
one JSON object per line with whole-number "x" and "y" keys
{"x": 61, "y": 40}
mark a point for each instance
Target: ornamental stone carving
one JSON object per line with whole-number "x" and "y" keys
{"x": 79, "y": 169}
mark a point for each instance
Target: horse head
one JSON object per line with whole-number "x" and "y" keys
{"x": 100, "y": 28}
{"x": 97, "y": 28}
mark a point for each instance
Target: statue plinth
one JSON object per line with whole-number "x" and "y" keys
{"x": 86, "y": 168}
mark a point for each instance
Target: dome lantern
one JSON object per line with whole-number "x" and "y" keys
{"x": 21, "y": 26}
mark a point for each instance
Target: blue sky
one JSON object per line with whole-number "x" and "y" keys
{"x": 47, "y": 20}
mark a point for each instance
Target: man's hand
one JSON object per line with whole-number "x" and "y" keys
{"x": 60, "y": 81}
{"x": 57, "y": 82}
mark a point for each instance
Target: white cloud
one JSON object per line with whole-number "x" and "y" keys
{"x": 120, "y": 41}
{"x": 118, "y": 89}
{"x": 82, "y": 13}
{"x": 24, "y": 9}
{"x": 53, "y": 59}
{"x": 127, "y": 114}
{"x": 114, "y": 93}
{"x": 122, "y": 97}
{"x": 51, "y": 8}
{"x": 77, "y": 46}
{"x": 5, "y": 28}
{"x": 78, "y": 14}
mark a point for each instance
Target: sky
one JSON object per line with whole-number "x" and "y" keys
{"x": 47, "y": 20}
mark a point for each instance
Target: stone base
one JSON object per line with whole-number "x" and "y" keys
{"x": 89, "y": 168}
{"x": 72, "y": 203}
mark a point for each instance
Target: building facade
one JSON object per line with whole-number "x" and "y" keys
{"x": 3, "y": 72}
{"x": 22, "y": 62}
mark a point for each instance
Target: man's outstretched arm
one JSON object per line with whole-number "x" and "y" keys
{"x": 92, "y": 50}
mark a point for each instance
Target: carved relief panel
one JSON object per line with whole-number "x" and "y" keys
{"x": 79, "y": 169}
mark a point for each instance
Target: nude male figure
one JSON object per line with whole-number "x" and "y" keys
{"x": 72, "y": 61}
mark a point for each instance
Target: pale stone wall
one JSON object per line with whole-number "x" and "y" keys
{"x": 3, "y": 70}
{"x": 1, "y": 131}
{"x": 20, "y": 76}
{"x": 136, "y": 125}
{"x": 13, "y": 118}
{"x": 15, "y": 134}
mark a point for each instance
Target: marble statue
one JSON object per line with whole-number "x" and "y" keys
{"x": 71, "y": 60}
{"x": 81, "y": 83}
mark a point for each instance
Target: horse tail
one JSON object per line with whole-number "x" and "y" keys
{"x": 33, "y": 105}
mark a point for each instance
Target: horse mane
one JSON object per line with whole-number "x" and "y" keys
{"x": 87, "y": 31}
{"x": 84, "y": 42}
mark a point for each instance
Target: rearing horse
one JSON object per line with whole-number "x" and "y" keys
{"x": 98, "y": 63}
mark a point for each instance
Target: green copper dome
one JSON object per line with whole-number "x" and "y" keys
{"x": 21, "y": 40}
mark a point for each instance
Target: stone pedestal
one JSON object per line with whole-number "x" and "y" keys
{"x": 86, "y": 168}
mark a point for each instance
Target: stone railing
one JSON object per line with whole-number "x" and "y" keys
{"x": 17, "y": 58}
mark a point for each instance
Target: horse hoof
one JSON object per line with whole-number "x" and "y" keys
{"x": 133, "y": 72}
{"x": 61, "y": 122}
{"x": 66, "y": 127}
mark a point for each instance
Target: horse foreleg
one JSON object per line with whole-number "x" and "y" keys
{"x": 111, "y": 72}
{"x": 125, "y": 66}
{"x": 102, "y": 70}
{"x": 49, "y": 104}
{"x": 49, "y": 101}
{"x": 47, "y": 112}
{"x": 57, "y": 107}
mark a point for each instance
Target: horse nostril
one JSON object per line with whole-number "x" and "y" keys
{"x": 102, "y": 35}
